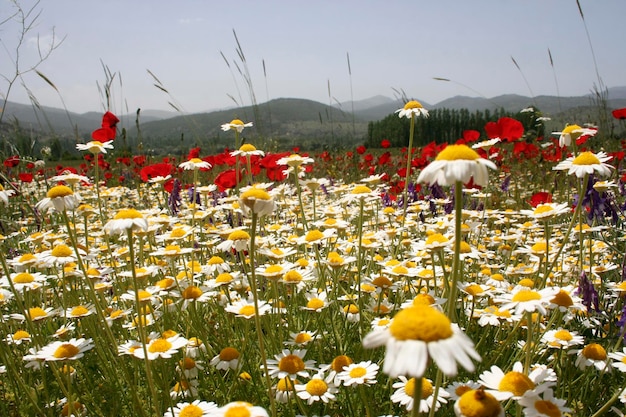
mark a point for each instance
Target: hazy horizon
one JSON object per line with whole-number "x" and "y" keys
{"x": 301, "y": 50}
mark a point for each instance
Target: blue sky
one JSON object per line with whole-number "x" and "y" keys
{"x": 392, "y": 44}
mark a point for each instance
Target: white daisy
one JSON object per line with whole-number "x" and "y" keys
{"x": 405, "y": 394}
{"x": 95, "y": 146}
{"x": 161, "y": 347}
{"x": 586, "y": 163}
{"x": 418, "y": 334}
{"x": 59, "y": 198}
{"x": 412, "y": 108}
{"x": 124, "y": 220}
{"x": 236, "y": 124}
{"x": 196, "y": 408}
{"x": 457, "y": 163}
{"x": 359, "y": 374}
{"x": 318, "y": 388}
{"x": 66, "y": 350}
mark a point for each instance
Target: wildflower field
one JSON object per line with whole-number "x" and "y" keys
{"x": 482, "y": 278}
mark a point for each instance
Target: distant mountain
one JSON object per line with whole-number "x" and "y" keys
{"x": 294, "y": 117}
{"x": 62, "y": 122}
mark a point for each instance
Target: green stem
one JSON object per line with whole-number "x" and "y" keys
{"x": 458, "y": 217}
{"x": 417, "y": 397}
{"x": 405, "y": 202}
{"x": 140, "y": 327}
{"x": 257, "y": 318}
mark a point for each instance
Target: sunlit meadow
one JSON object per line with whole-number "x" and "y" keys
{"x": 483, "y": 278}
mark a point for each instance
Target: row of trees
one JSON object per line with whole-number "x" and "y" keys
{"x": 442, "y": 125}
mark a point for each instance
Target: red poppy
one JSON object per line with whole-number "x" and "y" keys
{"x": 108, "y": 130}
{"x": 25, "y": 176}
{"x": 155, "y": 170}
{"x": 30, "y": 165}
{"x": 226, "y": 179}
{"x": 385, "y": 143}
{"x": 505, "y": 128}
{"x": 12, "y": 161}
{"x": 123, "y": 160}
{"x": 193, "y": 153}
{"x": 139, "y": 160}
{"x": 541, "y": 197}
{"x": 620, "y": 114}
{"x": 360, "y": 149}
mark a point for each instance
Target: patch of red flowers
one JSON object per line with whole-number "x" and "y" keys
{"x": 506, "y": 128}
{"x": 108, "y": 131}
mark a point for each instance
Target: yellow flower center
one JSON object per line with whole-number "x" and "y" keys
{"x": 143, "y": 295}
{"x": 128, "y": 214}
{"x": 191, "y": 410}
{"x": 457, "y": 152}
{"x": 562, "y": 299}
{"x": 61, "y": 251}
{"x": 316, "y": 387}
{"x": 465, "y": 247}
{"x": 224, "y": 278}
{"x": 302, "y": 338}
{"x": 400, "y": 270}
{"x": 27, "y": 257}
{"x": 357, "y": 372}
{"x": 239, "y": 235}
{"x": 478, "y": 403}
{"x": 539, "y": 247}
{"x": 340, "y": 362}
{"x": 569, "y": 130}
{"x": 543, "y": 208}
{"x": 361, "y": 189}
{"x": 563, "y": 335}
{"x": 238, "y": 411}
{"x": 216, "y": 260}
{"x": 351, "y": 309}
{"x": 80, "y": 311}
{"x": 191, "y": 293}
{"x": 420, "y": 322}
{"x": 165, "y": 283}
{"x": 59, "y": 191}
{"x": 65, "y": 351}
{"x": 586, "y": 158}
{"x": 424, "y": 299}
{"x": 228, "y": 354}
{"x": 474, "y": 289}
{"x": 594, "y": 352}
{"x": 313, "y": 235}
{"x": 178, "y": 232}
{"x": 526, "y": 295}
{"x": 247, "y": 310}
{"x": 20, "y": 334}
{"x": 547, "y": 408}
{"x": 172, "y": 248}
{"x": 292, "y": 364}
{"x": 516, "y": 382}
{"x": 285, "y": 384}
{"x": 436, "y": 238}
{"x": 246, "y": 147}
{"x": 36, "y": 313}
{"x": 413, "y": 104}
{"x": 315, "y": 304}
{"x": 236, "y": 122}
{"x": 159, "y": 346}
{"x": 527, "y": 282}
{"x": 382, "y": 282}
{"x": 274, "y": 269}
{"x": 292, "y": 276}
{"x": 256, "y": 194}
{"x": 23, "y": 278}
{"x": 427, "y": 388}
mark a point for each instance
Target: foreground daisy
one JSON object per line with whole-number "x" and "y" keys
{"x": 317, "y": 389}
{"x": 544, "y": 404}
{"x": 161, "y": 348}
{"x": 418, "y": 334}
{"x": 405, "y": 395}
{"x": 514, "y": 383}
{"x": 240, "y": 408}
{"x": 60, "y": 198}
{"x": 586, "y": 163}
{"x": 457, "y": 163}
{"x": 478, "y": 403}
{"x": 236, "y": 124}
{"x": 196, "y": 409}
{"x": 359, "y": 374}
{"x": 573, "y": 132}
{"x": 95, "y": 147}
{"x": 65, "y": 351}
{"x": 195, "y": 163}
{"x": 124, "y": 220}
{"x": 411, "y": 109}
